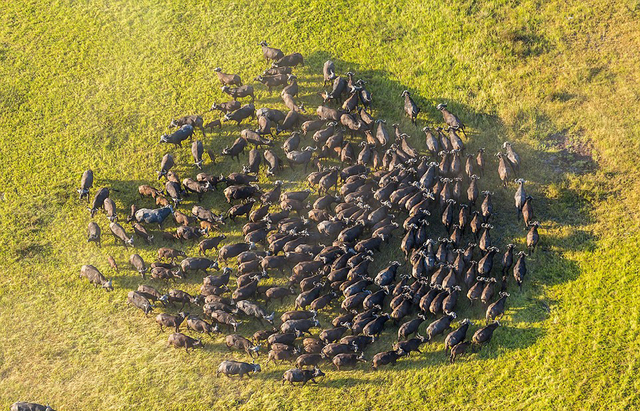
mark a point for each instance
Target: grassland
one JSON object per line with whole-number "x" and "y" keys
{"x": 94, "y": 83}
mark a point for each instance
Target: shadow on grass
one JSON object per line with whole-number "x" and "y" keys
{"x": 548, "y": 266}
{"x": 530, "y": 306}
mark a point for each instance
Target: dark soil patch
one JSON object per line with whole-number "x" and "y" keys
{"x": 575, "y": 152}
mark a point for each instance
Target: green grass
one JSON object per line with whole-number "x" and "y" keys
{"x": 94, "y": 84}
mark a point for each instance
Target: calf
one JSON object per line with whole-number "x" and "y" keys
{"x": 303, "y": 376}
{"x": 94, "y": 276}
{"x": 208, "y": 226}
{"x": 241, "y": 369}
{"x": 181, "y": 218}
{"x": 210, "y": 126}
{"x": 112, "y": 263}
{"x": 162, "y": 201}
{"x": 179, "y": 340}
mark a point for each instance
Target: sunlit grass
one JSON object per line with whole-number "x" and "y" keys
{"x": 94, "y": 84}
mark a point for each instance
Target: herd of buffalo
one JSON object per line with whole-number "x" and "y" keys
{"x": 367, "y": 184}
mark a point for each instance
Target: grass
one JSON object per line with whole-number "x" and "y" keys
{"x": 94, "y": 83}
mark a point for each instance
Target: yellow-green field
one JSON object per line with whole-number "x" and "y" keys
{"x": 93, "y": 84}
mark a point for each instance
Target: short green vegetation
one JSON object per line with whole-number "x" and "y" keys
{"x": 93, "y": 84}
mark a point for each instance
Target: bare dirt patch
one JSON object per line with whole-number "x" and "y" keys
{"x": 575, "y": 153}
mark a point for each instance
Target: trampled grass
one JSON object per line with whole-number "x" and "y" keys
{"x": 94, "y": 84}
